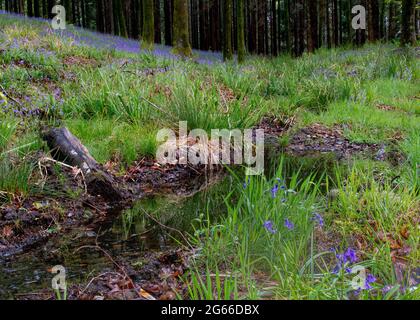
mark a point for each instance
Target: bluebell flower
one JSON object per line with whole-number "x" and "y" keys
{"x": 369, "y": 280}
{"x": 274, "y": 191}
{"x": 350, "y": 255}
{"x": 268, "y": 225}
{"x": 344, "y": 260}
{"x": 318, "y": 218}
{"x": 288, "y": 224}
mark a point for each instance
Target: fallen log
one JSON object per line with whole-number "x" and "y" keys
{"x": 65, "y": 147}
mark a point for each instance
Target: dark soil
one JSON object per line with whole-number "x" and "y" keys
{"x": 317, "y": 139}
{"x": 158, "y": 278}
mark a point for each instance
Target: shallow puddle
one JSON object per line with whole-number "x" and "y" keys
{"x": 151, "y": 225}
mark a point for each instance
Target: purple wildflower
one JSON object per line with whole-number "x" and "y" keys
{"x": 369, "y": 280}
{"x": 344, "y": 260}
{"x": 318, "y": 218}
{"x": 274, "y": 191}
{"x": 288, "y": 224}
{"x": 268, "y": 225}
{"x": 350, "y": 255}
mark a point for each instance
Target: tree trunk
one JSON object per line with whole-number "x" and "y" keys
{"x": 29, "y": 8}
{"x": 36, "y": 8}
{"x": 181, "y": 37}
{"x": 67, "y": 148}
{"x": 313, "y": 26}
{"x": 408, "y": 36}
{"x": 335, "y": 27}
{"x": 121, "y": 19}
{"x": 148, "y": 34}
{"x": 373, "y": 12}
{"x": 241, "y": 31}
{"x": 392, "y": 31}
{"x": 158, "y": 34}
{"x": 274, "y": 37}
{"x": 168, "y": 10}
{"x": 204, "y": 33}
{"x": 227, "y": 30}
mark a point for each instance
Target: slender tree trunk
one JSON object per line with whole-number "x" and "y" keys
{"x": 204, "y": 22}
{"x": 99, "y": 16}
{"x": 148, "y": 25}
{"x": 288, "y": 11}
{"x": 36, "y": 8}
{"x": 382, "y": 27}
{"x": 44, "y": 9}
{"x": 181, "y": 35}
{"x": 158, "y": 33}
{"x": 392, "y": 31}
{"x": 373, "y": 13}
{"x": 227, "y": 30}
{"x": 83, "y": 13}
{"x": 274, "y": 37}
{"x": 29, "y": 8}
{"x": 168, "y": 9}
{"x": 241, "y": 31}
{"x": 335, "y": 27}
{"x": 313, "y": 26}
{"x": 121, "y": 19}
{"x": 108, "y": 16}
{"x": 261, "y": 26}
{"x": 408, "y": 36}
{"x": 328, "y": 24}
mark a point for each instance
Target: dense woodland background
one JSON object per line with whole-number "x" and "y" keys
{"x": 268, "y": 27}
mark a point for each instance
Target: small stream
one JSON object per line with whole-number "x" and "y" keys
{"x": 128, "y": 237}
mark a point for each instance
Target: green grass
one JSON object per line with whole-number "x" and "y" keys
{"x": 290, "y": 264}
{"x": 116, "y": 108}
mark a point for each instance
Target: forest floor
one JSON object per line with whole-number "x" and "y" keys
{"x": 340, "y": 189}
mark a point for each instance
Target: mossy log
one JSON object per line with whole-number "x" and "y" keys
{"x": 65, "y": 147}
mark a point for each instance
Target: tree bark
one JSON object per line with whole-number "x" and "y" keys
{"x": 29, "y": 8}
{"x": 241, "y": 31}
{"x": 65, "y": 147}
{"x": 148, "y": 25}
{"x": 313, "y": 26}
{"x": 168, "y": 10}
{"x": 158, "y": 34}
{"x": 227, "y": 30}
{"x": 181, "y": 37}
{"x": 408, "y": 36}
{"x": 274, "y": 36}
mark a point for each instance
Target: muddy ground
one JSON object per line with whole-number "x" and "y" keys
{"x": 27, "y": 223}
